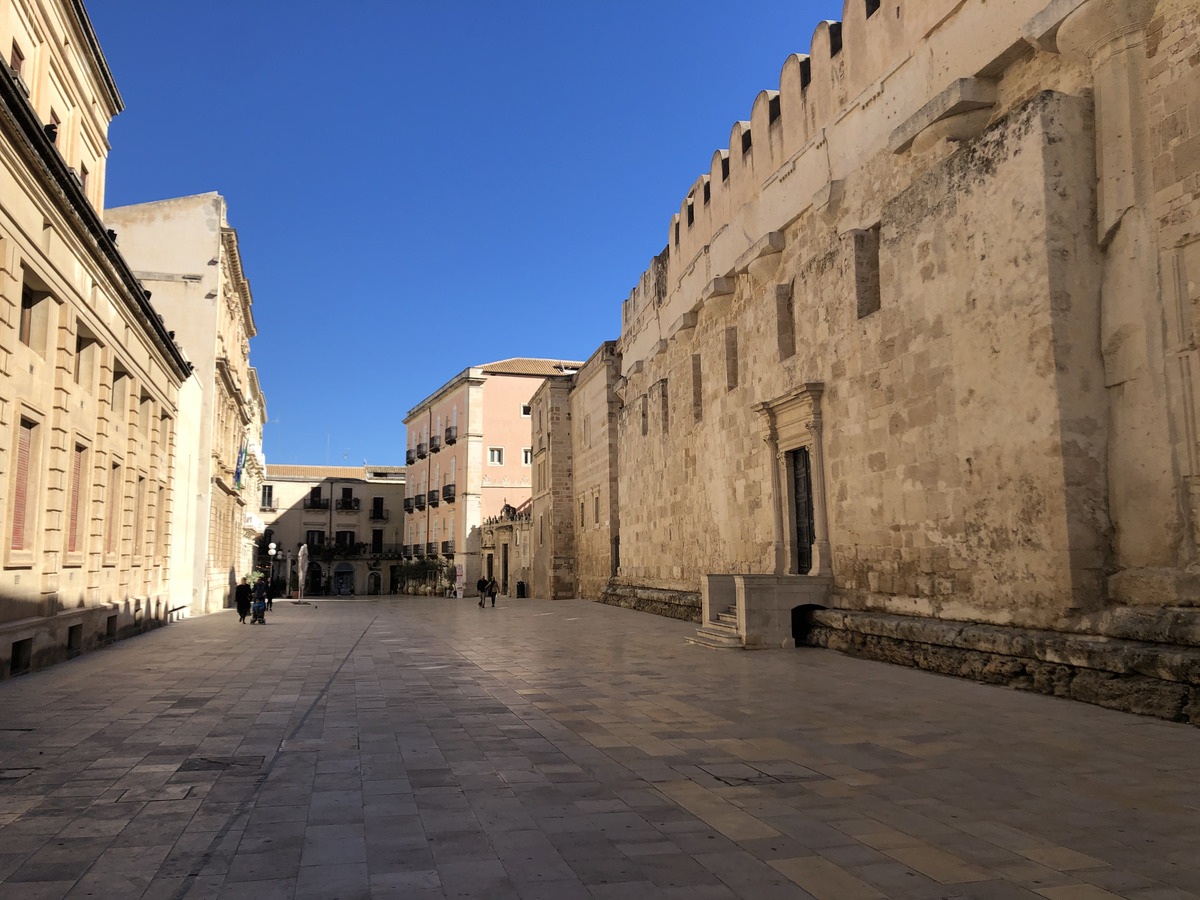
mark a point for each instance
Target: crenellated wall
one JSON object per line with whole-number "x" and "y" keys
{"x": 835, "y": 110}
{"x": 948, "y": 269}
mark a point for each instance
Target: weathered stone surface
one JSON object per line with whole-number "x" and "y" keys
{"x": 684, "y": 605}
{"x": 1133, "y": 676}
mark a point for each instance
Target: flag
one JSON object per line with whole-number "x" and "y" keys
{"x": 241, "y": 462}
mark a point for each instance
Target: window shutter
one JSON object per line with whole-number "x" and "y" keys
{"x": 20, "y": 493}
{"x": 76, "y": 472}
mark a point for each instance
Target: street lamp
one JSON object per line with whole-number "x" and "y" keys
{"x": 271, "y": 553}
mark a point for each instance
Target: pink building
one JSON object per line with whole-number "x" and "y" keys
{"x": 470, "y": 452}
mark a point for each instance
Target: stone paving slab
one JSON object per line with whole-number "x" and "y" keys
{"x": 424, "y": 748}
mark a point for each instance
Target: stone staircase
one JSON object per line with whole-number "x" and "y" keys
{"x": 721, "y": 634}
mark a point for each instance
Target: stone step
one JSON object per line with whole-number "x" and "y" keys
{"x": 729, "y": 619}
{"x": 719, "y": 636}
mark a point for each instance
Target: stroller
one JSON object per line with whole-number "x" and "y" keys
{"x": 258, "y": 612}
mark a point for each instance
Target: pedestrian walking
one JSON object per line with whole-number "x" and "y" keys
{"x": 492, "y": 589}
{"x": 242, "y": 596}
{"x": 270, "y": 594}
{"x": 481, "y": 587}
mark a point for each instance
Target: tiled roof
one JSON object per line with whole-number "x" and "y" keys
{"x": 525, "y": 366}
{"x": 275, "y": 471}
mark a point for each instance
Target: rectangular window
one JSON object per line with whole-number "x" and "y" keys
{"x": 731, "y": 358}
{"x": 526, "y": 456}
{"x": 697, "y": 389}
{"x": 35, "y": 314}
{"x": 268, "y": 496}
{"x": 162, "y": 527}
{"x": 581, "y": 521}
{"x": 77, "y": 466}
{"x": 139, "y": 502}
{"x": 377, "y": 540}
{"x": 16, "y": 59}
{"x": 112, "y": 527}
{"x": 866, "y": 270}
{"x": 314, "y": 538}
{"x": 495, "y": 456}
{"x": 120, "y": 390}
{"x": 664, "y": 406}
{"x": 645, "y": 415}
{"x": 526, "y": 411}
{"x": 83, "y": 177}
{"x": 344, "y": 538}
{"x": 22, "y": 489}
{"x": 785, "y": 321}
{"x": 86, "y": 350}
{"x": 596, "y": 509}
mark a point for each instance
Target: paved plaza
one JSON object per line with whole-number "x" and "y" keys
{"x": 424, "y": 748}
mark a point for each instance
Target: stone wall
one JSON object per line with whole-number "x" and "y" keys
{"x": 594, "y": 408}
{"x": 968, "y": 232}
{"x": 553, "y": 510}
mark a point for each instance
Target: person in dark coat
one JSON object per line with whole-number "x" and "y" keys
{"x": 481, "y": 586}
{"x": 242, "y": 596}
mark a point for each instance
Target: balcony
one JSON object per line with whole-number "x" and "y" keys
{"x": 435, "y": 443}
{"x": 406, "y": 550}
{"x": 268, "y": 508}
{"x": 434, "y": 499}
{"x": 448, "y": 493}
{"x": 447, "y": 548}
{"x": 315, "y": 503}
{"x": 408, "y": 504}
{"x": 431, "y": 548}
{"x": 410, "y": 457}
{"x": 420, "y": 501}
{"x": 422, "y": 451}
{"x": 451, "y": 434}
{"x": 378, "y": 514}
{"x": 419, "y": 549}
{"x": 347, "y": 504}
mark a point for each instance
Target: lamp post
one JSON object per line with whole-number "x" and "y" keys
{"x": 271, "y": 553}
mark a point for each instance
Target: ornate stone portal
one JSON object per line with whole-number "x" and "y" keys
{"x": 755, "y": 611}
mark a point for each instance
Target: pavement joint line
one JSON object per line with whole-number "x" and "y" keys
{"x": 244, "y": 806}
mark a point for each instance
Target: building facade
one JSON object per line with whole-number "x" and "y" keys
{"x": 351, "y": 519}
{"x": 470, "y": 454}
{"x": 575, "y": 510}
{"x": 184, "y": 250}
{"x": 506, "y": 544}
{"x": 921, "y": 350}
{"x": 553, "y": 525}
{"x": 90, "y": 378}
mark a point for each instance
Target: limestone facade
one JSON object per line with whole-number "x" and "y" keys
{"x": 506, "y": 541}
{"x": 575, "y": 514}
{"x": 552, "y": 509}
{"x": 469, "y": 455}
{"x": 90, "y": 379}
{"x": 921, "y": 347}
{"x": 351, "y": 518}
{"x": 185, "y": 251}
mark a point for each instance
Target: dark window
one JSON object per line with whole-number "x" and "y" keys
{"x": 344, "y": 538}
{"x": 697, "y": 389}
{"x": 314, "y": 538}
{"x": 21, "y": 490}
{"x": 731, "y": 358}
{"x": 866, "y": 271}
{"x": 377, "y": 540}
{"x": 785, "y": 319}
{"x": 16, "y": 59}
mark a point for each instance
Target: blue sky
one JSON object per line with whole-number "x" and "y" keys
{"x": 420, "y": 187}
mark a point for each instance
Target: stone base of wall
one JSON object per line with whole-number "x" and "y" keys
{"x": 47, "y": 640}
{"x": 1150, "y": 679}
{"x": 684, "y": 605}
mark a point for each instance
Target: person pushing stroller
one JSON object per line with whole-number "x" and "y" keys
{"x": 258, "y": 610}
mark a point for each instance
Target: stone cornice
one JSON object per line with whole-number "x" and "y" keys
{"x": 21, "y": 127}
